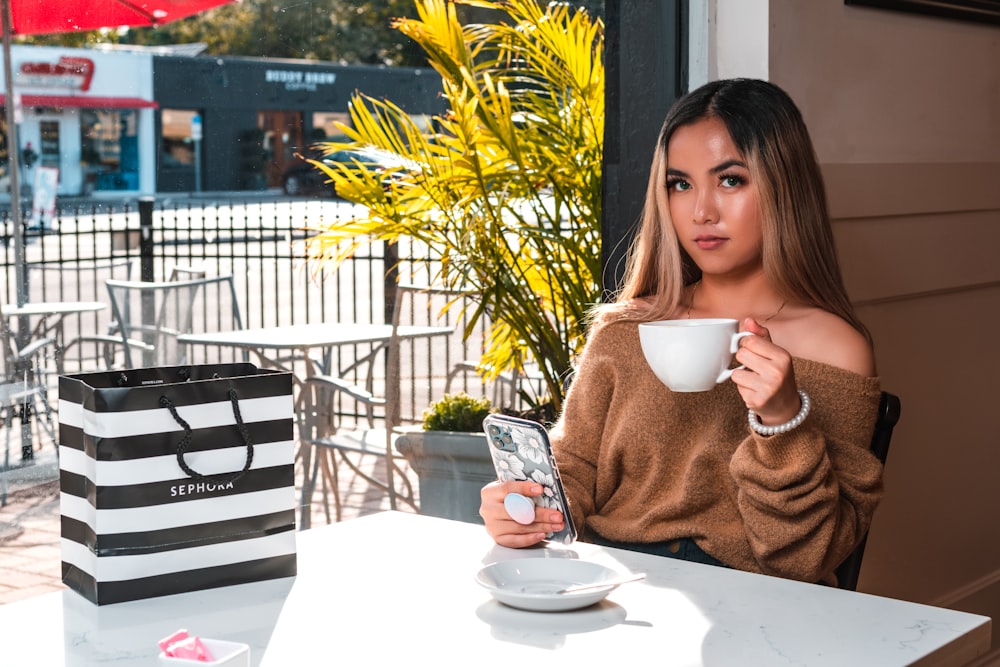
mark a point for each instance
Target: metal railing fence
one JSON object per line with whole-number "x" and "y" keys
{"x": 260, "y": 244}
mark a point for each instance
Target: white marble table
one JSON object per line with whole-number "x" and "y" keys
{"x": 397, "y": 588}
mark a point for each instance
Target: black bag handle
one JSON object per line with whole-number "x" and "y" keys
{"x": 185, "y": 441}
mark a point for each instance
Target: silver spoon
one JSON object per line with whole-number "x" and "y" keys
{"x": 603, "y": 584}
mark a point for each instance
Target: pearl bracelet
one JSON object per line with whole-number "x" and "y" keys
{"x": 788, "y": 425}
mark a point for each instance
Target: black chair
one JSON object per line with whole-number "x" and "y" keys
{"x": 888, "y": 415}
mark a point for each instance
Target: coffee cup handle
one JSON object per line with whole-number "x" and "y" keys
{"x": 734, "y": 345}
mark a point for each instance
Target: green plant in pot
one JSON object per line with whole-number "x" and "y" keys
{"x": 457, "y": 412}
{"x": 451, "y": 456}
{"x": 503, "y": 187}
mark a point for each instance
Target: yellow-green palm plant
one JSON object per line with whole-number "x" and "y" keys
{"x": 507, "y": 185}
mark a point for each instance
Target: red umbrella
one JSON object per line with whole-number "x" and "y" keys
{"x": 32, "y": 17}
{"x": 36, "y": 17}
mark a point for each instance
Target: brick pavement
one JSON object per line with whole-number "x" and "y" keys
{"x": 30, "y": 559}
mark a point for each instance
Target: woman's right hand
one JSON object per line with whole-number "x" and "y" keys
{"x": 504, "y": 530}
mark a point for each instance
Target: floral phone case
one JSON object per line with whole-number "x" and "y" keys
{"x": 521, "y": 451}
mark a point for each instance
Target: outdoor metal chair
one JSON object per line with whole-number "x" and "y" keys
{"x": 18, "y": 399}
{"x": 510, "y": 389}
{"x": 75, "y": 280}
{"x": 337, "y": 414}
{"x": 888, "y": 416}
{"x": 185, "y": 272}
{"x": 21, "y": 395}
{"x": 150, "y": 315}
{"x": 85, "y": 333}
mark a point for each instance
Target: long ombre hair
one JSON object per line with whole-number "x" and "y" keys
{"x": 799, "y": 256}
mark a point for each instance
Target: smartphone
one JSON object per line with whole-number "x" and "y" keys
{"x": 521, "y": 451}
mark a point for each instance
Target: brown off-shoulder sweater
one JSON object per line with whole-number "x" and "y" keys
{"x": 644, "y": 464}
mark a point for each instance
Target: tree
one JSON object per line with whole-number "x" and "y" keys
{"x": 346, "y": 31}
{"x": 506, "y": 187}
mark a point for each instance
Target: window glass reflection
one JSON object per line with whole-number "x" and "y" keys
{"x": 109, "y": 151}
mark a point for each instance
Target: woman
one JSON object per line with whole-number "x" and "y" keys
{"x": 735, "y": 225}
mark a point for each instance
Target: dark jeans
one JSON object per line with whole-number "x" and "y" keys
{"x": 683, "y": 548}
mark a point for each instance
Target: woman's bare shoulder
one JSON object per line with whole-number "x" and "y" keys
{"x": 818, "y": 335}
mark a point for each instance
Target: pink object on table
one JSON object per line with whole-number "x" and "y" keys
{"x": 182, "y": 645}
{"x": 176, "y": 637}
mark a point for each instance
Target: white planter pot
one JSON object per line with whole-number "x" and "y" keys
{"x": 451, "y": 469}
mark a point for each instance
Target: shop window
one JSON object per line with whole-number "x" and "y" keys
{"x": 50, "y": 147}
{"x": 177, "y": 145}
{"x": 109, "y": 149}
{"x": 282, "y": 138}
{"x": 325, "y": 128}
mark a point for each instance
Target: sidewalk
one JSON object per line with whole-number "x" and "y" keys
{"x": 30, "y": 560}
{"x": 29, "y": 531}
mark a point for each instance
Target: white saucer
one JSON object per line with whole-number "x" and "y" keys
{"x": 534, "y": 583}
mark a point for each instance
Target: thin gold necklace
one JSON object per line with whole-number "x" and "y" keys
{"x": 767, "y": 319}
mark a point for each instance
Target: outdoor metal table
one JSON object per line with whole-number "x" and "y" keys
{"x": 50, "y": 318}
{"x": 301, "y": 338}
{"x": 275, "y": 345}
{"x": 398, "y": 588}
{"x": 51, "y": 315}
{"x": 47, "y": 308}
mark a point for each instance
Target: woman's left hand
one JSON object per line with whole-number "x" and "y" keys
{"x": 767, "y": 384}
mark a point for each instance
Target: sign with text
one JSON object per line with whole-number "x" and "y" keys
{"x": 300, "y": 80}
{"x": 68, "y": 72}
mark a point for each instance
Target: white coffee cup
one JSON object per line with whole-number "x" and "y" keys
{"x": 691, "y": 355}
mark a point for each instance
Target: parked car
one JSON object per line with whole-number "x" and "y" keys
{"x": 303, "y": 177}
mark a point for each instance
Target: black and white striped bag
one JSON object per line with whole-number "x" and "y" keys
{"x": 175, "y": 479}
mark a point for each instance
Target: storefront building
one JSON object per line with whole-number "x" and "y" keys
{"x": 88, "y": 113}
{"x": 236, "y": 123}
{"x": 132, "y": 122}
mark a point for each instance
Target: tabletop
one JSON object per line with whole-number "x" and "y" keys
{"x": 397, "y": 587}
{"x": 299, "y": 336}
{"x": 51, "y": 308}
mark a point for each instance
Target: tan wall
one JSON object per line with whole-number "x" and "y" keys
{"x": 905, "y": 114}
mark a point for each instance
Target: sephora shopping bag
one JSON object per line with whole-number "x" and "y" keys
{"x": 175, "y": 479}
